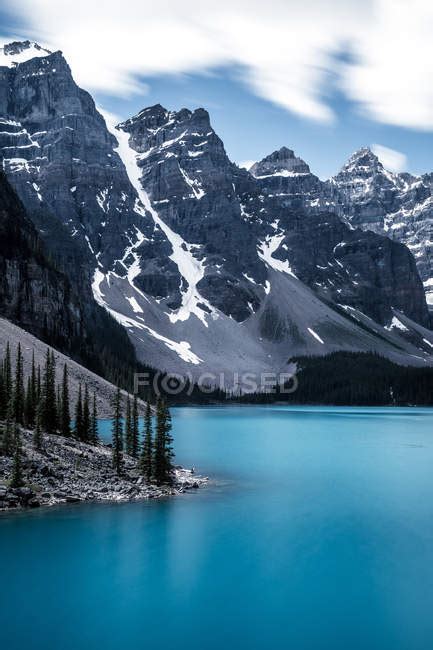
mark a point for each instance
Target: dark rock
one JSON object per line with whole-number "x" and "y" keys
{"x": 239, "y": 230}
{"x": 398, "y": 205}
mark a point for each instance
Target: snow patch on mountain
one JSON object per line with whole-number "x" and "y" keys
{"x": 182, "y": 348}
{"x": 315, "y": 335}
{"x": 15, "y": 53}
{"x": 134, "y": 304}
{"x": 266, "y": 250}
{"x": 397, "y": 324}
{"x": 190, "y": 268}
{"x": 197, "y": 190}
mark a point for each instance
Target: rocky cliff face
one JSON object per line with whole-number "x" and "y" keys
{"x": 32, "y": 292}
{"x": 287, "y": 178}
{"x": 59, "y": 156}
{"x": 399, "y": 206}
{"x": 189, "y": 180}
{"x": 39, "y": 297}
{"x": 206, "y": 265}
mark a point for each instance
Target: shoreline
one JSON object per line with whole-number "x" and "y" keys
{"x": 68, "y": 471}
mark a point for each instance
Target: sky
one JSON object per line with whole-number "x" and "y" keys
{"x": 323, "y": 78}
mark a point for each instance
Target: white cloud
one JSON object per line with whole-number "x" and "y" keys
{"x": 393, "y": 160}
{"x": 246, "y": 164}
{"x": 287, "y": 51}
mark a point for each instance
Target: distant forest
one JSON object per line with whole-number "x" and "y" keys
{"x": 351, "y": 378}
{"x": 339, "y": 378}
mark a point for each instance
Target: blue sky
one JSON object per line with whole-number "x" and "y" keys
{"x": 252, "y": 127}
{"x": 323, "y": 83}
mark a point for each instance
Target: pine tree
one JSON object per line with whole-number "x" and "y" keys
{"x": 17, "y": 469}
{"x": 135, "y": 437}
{"x": 33, "y": 381}
{"x": 37, "y": 434}
{"x": 58, "y": 405}
{"x": 65, "y": 416}
{"x": 128, "y": 427}
{"x": 79, "y": 416}
{"x": 86, "y": 414}
{"x": 168, "y": 446}
{"x": 163, "y": 451}
{"x": 158, "y": 452}
{"x": 18, "y": 388}
{"x": 29, "y": 409}
{"x": 7, "y": 372}
{"x": 38, "y": 385}
{"x": 8, "y": 439}
{"x": 94, "y": 422}
{"x": 48, "y": 395}
{"x": 117, "y": 434}
{"x": 3, "y": 398}
{"x": 146, "y": 457}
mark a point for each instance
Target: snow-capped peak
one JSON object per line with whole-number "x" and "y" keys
{"x": 362, "y": 160}
{"x": 12, "y": 54}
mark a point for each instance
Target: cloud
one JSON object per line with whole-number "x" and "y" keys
{"x": 393, "y": 160}
{"x": 288, "y": 52}
{"x": 391, "y": 77}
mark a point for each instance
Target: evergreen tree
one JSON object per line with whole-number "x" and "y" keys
{"x": 94, "y": 422}
{"x": 29, "y": 409}
{"x": 37, "y": 434}
{"x": 79, "y": 431}
{"x": 7, "y": 372}
{"x": 135, "y": 437}
{"x": 163, "y": 451}
{"x": 147, "y": 450}
{"x": 3, "y": 398}
{"x": 58, "y": 405}
{"x": 17, "y": 469}
{"x": 38, "y": 385}
{"x": 48, "y": 390}
{"x": 86, "y": 414}
{"x": 128, "y": 427}
{"x": 158, "y": 452}
{"x": 18, "y": 388}
{"x": 8, "y": 439}
{"x": 33, "y": 381}
{"x": 65, "y": 416}
{"x": 168, "y": 446}
{"x": 117, "y": 434}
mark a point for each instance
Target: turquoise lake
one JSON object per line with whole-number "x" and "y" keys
{"x": 316, "y": 532}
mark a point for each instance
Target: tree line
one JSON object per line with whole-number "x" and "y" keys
{"x": 352, "y": 379}
{"x": 155, "y": 454}
{"x": 40, "y": 405}
{"x": 45, "y": 407}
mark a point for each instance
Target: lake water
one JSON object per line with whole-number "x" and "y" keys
{"x": 316, "y": 533}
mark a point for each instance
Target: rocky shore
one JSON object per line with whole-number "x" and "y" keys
{"x": 69, "y": 471}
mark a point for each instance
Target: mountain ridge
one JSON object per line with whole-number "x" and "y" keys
{"x": 206, "y": 265}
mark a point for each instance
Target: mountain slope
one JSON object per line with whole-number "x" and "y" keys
{"x": 77, "y": 374}
{"x": 207, "y": 266}
{"x": 32, "y": 291}
{"x": 39, "y": 297}
{"x": 399, "y": 206}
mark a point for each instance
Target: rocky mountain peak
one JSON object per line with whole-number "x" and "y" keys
{"x": 156, "y": 116}
{"x": 12, "y": 54}
{"x": 192, "y": 255}
{"x": 280, "y": 163}
{"x": 363, "y": 160}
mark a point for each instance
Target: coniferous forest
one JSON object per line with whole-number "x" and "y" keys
{"x": 352, "y": 379}
{"x": 45, "y": 407}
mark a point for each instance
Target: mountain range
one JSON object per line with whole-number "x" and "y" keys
{"x": 209, "y": 267}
